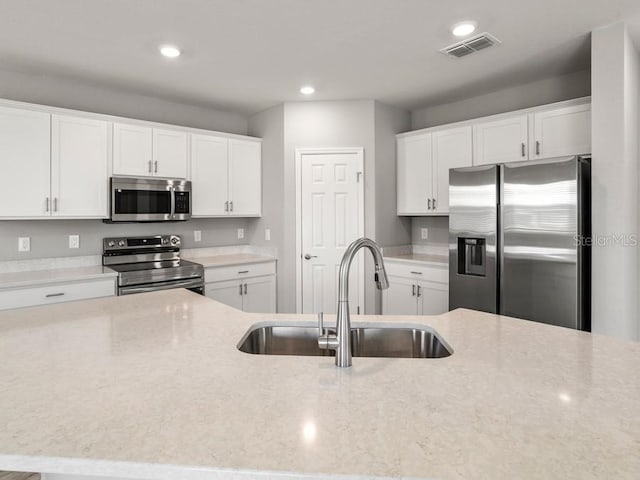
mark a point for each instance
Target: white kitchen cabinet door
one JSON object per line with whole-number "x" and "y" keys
{"x": 401, "y": 297}
{"x": 501, "y": 141}
{"x": 132, "y": 152}
{"x": 562, "y": 131}
{"x": 170, "y": 153}
{"x": 79, "y": 167}
{"x": 434, "y": 298}
{"x": 209, "y": 175}
{"x": 415, "y": 174}
{"x": 245, "y": 178}
{"x": 25, "y": 163}
{"x": 452, "y": 148}
{"x": 227, "y": 292}
{"x": 259, "y": 295}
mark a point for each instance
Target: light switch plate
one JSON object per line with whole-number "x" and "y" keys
{"x": 74, "y": 241}
{"x": 424, "y": 233}
{"x": 24, "y": 244}
{"x": 197, "y": 235}
{"x": 240, "y": 233}
{"x": 267, "y": 234}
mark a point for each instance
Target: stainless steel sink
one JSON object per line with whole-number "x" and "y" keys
{"x": 367, "y": 340}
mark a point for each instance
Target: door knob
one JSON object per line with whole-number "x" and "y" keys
{"x": 309, "y": 257}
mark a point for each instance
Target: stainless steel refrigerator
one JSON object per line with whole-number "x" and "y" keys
{"x": 519, "y": 238}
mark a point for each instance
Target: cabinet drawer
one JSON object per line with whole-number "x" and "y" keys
{"x": 217, "y": 274}
{"x": 56, "y": 293}
{"x": 418, "y": 272}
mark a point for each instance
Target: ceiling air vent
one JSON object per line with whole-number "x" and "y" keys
{"x": 470, "y": 45}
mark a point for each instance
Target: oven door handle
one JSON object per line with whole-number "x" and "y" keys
{"x": 166, "y": 286}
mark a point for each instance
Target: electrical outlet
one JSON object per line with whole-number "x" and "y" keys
{"x": 197, "y": 236}
{"x": 240, "y": 233}
{"x": 267, "y": 234}
{"x": 424, "y": 233}
{"x": 24, "y": 244}
{"x": 74, "y": 241}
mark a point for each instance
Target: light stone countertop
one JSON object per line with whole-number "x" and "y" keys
{"x": 33, "y": 278}
{"x": 152, "y": 386}
{"x": 228, "y": 260}
{"x": 429, "y": 259}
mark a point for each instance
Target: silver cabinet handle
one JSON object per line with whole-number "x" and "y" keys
{"x": 46, "y": 208}
{"x": 226, "y": 206}
{"x": 523, "y": 147}
{"x": 55, "y": 204}
{"x": 413, "y": 290}
{"x": 244, "y": 271}
{"x": 416, "y": 273}
{"x": 419, "y": 290}
{"x": 537, "y": 147}
{"x": 429, "y": 204}
{"x": 231, "y": 206}
{"x": 309, "y": 257}
{"x": 434, "y": 203}
{"x": 49, "y": 295}
{"x": 150, "y": 166}
{"x": 245, "y": 288}
{"x": 240, "y": 289}
{"x": 155, "y": 168}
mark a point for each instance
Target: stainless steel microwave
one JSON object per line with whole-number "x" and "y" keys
{"x": 135, "y": 199}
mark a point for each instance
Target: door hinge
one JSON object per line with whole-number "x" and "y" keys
{"x": 358, "y": 175}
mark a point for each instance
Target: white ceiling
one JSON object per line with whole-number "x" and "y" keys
{"x": 247, "y": 55}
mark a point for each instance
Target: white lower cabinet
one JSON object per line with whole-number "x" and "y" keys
{"x": 415, "y": 289}
{"x": 56, "y": 293}
{"x": 247, "y": 287}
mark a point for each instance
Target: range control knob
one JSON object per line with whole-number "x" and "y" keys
{"x": 111, "y": 243}
{"x": 121, "y": 243}
{"x": 165, "y": 241}
{"x": 175, "y": 240}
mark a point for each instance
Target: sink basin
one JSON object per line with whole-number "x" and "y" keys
{"x": 367, "y": 340}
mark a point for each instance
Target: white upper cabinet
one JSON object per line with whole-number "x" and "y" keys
{"x": 25, "y": 153}
{"x": 415, "y": 174}
{"x": 245, "y": 178}
{"x": 170, "y": 153}
{"x": 209, "y": 175}
{"x": 501, "y": 141}
{"x": 132, "y": 150}
{"x": 452, "y": 148}
{"x": 226, "y": 176}
{"x": 144, "y": 151}
{"x": 79, "y": 167}
{"x": 562, "y": 131}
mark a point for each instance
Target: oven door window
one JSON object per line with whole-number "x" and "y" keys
{"x": 142, "y": 202}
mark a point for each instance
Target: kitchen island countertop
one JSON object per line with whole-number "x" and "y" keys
{"x": 152, "y": 386}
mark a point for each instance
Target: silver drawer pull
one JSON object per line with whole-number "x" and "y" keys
{"x": 49, "y": 295}
{"x": 416, "y": 273}
{"x": 244, "y": 271}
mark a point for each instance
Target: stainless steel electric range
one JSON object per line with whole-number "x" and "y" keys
{"x": 146, "y": 264}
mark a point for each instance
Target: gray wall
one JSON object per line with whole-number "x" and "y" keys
{"x": 49, "y": 238}
{"x": 615, "y": 127}
{"x": 556, "y": 89}
{"x": 67, "y": 93}
{"x": 438, "y": 230}
{"x": 269, "y": 125}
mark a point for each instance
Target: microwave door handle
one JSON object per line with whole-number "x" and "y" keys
{"x": 173, "y": 202}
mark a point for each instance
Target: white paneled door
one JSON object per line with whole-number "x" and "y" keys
{"x": 331, "y": 208}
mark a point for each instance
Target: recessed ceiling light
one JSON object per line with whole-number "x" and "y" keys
{"x": 463, "y": 29}
{"x": 170, "y": 51}
{"x": 307, "y": 90}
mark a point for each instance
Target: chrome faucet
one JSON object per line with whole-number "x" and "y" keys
{"x": 341, "y": 342}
